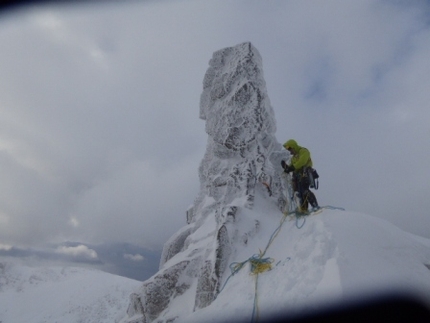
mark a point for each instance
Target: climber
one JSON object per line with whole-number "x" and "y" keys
{"x": 301, "y": 164}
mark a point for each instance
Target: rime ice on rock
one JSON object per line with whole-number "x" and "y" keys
{"x": 240, "y": 123}
{"x": 241, "y": 153}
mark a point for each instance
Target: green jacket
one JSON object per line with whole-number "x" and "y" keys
{"x": 301, "y": 156}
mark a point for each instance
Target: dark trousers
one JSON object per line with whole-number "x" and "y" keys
{"x": 301, "y": 185}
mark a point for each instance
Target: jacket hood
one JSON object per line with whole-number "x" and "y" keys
{"x": 291, "y": 144}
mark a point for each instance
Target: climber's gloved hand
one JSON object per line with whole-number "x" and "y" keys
{"x": 289, "y": 169}
{"x": 283, "y": 164}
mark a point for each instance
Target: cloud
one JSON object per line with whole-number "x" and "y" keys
{"x": 5, "y": 247}
{"x": 120, "y": 259}
{"x": 80, "y": 251}
{"x": 135, "y": 257}
{"x": 100, "y": 139}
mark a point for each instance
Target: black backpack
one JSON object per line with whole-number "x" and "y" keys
{"x": 313, "y": 178}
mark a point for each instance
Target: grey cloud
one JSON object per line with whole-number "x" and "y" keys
{"x": 100, "y": 139}
{"x": 139, "y": 264}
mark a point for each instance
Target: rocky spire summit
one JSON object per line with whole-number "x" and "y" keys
{"x": 240, "y": 123}
{"x": 241, "y": 147}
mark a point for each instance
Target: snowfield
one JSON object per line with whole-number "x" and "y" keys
{"x": 66, "y": 295}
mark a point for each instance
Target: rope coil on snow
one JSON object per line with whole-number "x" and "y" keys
{"x": 260, "y": 264}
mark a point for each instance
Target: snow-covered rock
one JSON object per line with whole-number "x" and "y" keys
{"x": 329, "y": 256}
{"x": 240, "y": 125}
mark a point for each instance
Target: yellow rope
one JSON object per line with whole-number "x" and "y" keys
{"x": 260, "y": 265}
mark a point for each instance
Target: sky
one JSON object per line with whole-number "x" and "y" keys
{"x": 100, "y": 136}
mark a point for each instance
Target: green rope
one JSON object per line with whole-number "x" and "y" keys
{"x": 274, "y": 234}
{"x": 235, "y": 267}
{"x": 297, "y": 221}
{"x": 299, "y": 214}
{"x": 330, "y": 207}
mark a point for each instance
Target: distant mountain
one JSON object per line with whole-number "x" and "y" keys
{"x": 61, "y": 294}
{"x": 116, "y": 258}
{"x": 126, "y": 260}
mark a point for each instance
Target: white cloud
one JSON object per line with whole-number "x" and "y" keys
{"x": 136, "y": 257}
{"x": 74, "y": 222}
{"x": 5, "y": 247}
{"x": 78, "y": 251}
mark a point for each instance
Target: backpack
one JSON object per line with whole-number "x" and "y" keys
{"x": 313, "y": 178}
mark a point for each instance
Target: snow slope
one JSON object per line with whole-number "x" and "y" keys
{"x": 335, "y": 256}
{"x": 66, "y": 295}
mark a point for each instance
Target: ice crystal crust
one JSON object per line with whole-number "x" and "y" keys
{"x": 234, "y": 101}
{"x": 240, "y": 123}
{"x": 239, "y": 157}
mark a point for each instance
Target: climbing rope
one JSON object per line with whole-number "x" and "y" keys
{"x": 258, "y": 262}
{"x": 255, "y": 309}
{"x": 297, "y": 221}
{"x": 274, "y": 235}
{"x": 330, "y": 207}
{"x": 303, "y": 215}
{"x": 258, "y": 266}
